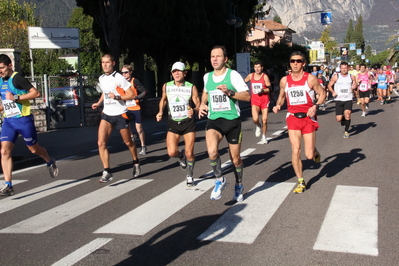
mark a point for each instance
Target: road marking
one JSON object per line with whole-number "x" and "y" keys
{"x": 278, "y": 132}
{"x": 29, "y": 196}
{"x": 147, "y": 216}
{"x": 82, "y": 252}
{"x": 52, "y": 218}
{"x": 268, "y": 140}
{"x": 16, "y": 182}
{"x": 158, "y": 133}
{"x": 228, "y": 163}
{"x": 351, "y": 223}
{"x": 243, "y": 222}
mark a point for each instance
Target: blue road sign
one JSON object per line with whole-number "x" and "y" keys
{"x": 326, "y": 18}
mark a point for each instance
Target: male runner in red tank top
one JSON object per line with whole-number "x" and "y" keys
{"x": 260, "y": 98}
{"x": 299, "y": 88}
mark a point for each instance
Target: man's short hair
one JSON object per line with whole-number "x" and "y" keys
{"x": 221, "y": 47}
{"x": 258, "y": 63}
{"x": 300, "y": 54}
{"x": 110, "y": 56}
{"x": 5, "y": 59}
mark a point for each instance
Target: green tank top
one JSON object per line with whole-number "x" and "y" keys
{"x": 178, "y": 99}
{"x": 220, "y": 105}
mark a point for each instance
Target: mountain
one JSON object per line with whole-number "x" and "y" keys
{"x": 379, "y": 18}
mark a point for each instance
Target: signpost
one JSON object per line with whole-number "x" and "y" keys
{"x": 326, "y": 18}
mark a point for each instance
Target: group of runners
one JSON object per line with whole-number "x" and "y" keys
{"x": 303, "y": 93}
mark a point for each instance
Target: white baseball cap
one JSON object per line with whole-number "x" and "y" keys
{"x": 178, "y": 66}
{"x": 338, "y": 69}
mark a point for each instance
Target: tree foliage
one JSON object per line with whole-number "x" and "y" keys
{"x": 277, "y": 19}
{"x": 349, "y": 32}
{"x": 168, "y": 31}
{"x": 330, "y": 45}
{"x": 89, "y": 45}
{"x": 276, "y": 57}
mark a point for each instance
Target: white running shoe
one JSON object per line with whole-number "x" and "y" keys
{"x": 217, "y": 190}
{"x": 136, "y": 170}
{"x": 364, "y": 114}
{"x": 106, "y": 177}
{"x": 264, "y": 141}
{"x": 53, "y": 169}
{"x": 257, "y": 131}
{"x": 190, "y": 181}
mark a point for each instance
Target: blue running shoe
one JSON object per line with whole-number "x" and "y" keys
{"x": 217, "y": 190}
{"x": 238, "y": 196}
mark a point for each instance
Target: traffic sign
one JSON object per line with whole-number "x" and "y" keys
{"x": 352, "y": 46}
{"x": 326, "y": 18}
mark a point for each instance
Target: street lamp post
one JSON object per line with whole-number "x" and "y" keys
{"x": 234, "y": 19}
{"x": 307, "y": 13}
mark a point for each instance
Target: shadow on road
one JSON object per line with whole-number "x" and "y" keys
{"x": 336, "y": 163}
{"x": 170, "y": 243}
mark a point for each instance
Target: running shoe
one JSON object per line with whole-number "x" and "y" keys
{"x": 395, "y": 91}
{"x": 238, "y": 196}
{"x": 300, "y": 188}
{"x": 136, "y": 170}
{"x": 346, "y": 135}
{"x": 183, "y": 161}
{"x": 6, "y": 190}
{"x": 358, "y": 102}
{"x": 316, "y": 157}
{"x": 257, "y": 131}
{"x": 382, "y": 103}
{"x": 106, "y": 177}
{"x": 53, "y": 169}
{"x": 367, "y": 106}
{"x": 190, "y": 181}
{"x": 217, "y": 190}
{"x": 363, "y": 114}
{"x": 143, "y": 150}
{"x": 264, "y": 140}
{"x": 389, "y": 98}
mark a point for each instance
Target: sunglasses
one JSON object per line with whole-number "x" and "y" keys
{"x": 299, "y": 61}
{"x": 125, "y": 72}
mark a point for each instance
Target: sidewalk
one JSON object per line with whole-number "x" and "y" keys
{"x": 66, "y": 142}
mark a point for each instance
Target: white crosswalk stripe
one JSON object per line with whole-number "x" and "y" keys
{"x": 351, "y": 223}
{"x": 145, "y": 217}
{"x": 65, "y": 212}
{"x": 243, "y": 222}
{"x": 29, "y": 196}
{"x": 82, "y": 252}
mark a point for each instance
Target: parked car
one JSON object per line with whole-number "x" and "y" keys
{"x": 69, "y": 96}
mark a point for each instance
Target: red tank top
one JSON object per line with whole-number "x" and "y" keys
{"x": 299, "y": 95}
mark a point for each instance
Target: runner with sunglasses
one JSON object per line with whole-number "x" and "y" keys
{"x": 299, "y": 88}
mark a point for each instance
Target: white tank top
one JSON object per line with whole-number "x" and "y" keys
{"x": 343, "y": 87}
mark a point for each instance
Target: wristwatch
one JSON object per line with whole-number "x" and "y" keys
{"x": 231, "y": 93}
{"x": 317, "y": 106}
{"x": 16, "y": 97}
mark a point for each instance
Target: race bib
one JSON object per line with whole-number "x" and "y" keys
{"x": 131, "y": 103}
{"x": 297, "y": 96}
{"x": 381, "y": 82}
{"x": 256, "y": 88}
{"x": 219, "y": 101}
{"x": 363, "y": 87}
{"x": 108, "y": 100}
{"x": 178, "y": 110}
{"x": 11, "y": 108}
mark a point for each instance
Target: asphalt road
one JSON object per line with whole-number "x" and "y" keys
{"x": 348, "y": 216}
